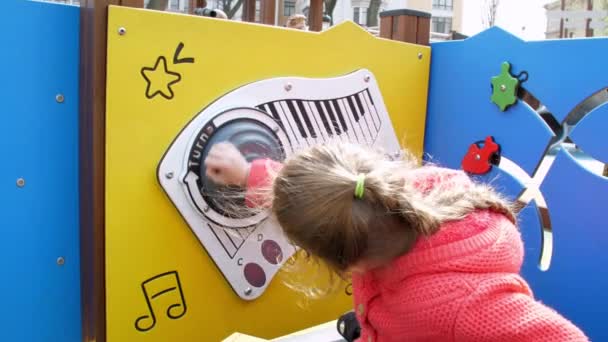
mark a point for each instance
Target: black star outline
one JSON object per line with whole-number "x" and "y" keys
{"x": 171, "y": 94}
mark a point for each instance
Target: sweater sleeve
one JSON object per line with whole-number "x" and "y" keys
{"x": 260, "y": 174}
{"x": 508, "y": 313}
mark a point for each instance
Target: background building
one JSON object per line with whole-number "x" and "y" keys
{"x": 446, "y": 14}
{"x": 576, "y": 18}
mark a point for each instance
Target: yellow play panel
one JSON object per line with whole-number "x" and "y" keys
{"x": 165, "y": 68}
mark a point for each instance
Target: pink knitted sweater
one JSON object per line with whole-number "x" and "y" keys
{"x": 461, "y": 284}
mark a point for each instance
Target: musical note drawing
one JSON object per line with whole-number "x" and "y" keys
{"x": 165, "y": 284}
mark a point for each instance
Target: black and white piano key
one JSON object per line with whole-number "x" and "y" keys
{"x": 366, "y": 118}
{"x": 291, "y": 107}
{"x": 296, "y": 122}
{"x": 309, "y": 132}
{"x": 322, "y": 134}
{"x": 340, "y": 115}
{"x": 353, "y": 108}
{"x": 290, "y": 128}
{"x": 349, "y": 129}
{"x": 319, "y": 108}
{"x": 333, "y": 119}
{"x": 372, "y": 110}
{"x": 307, "y": 118}
{"x": 353, "y": 126}
{"x": 334, "y": 129}
{"x": 359, "y": 114}
{"x": 272, "y": 110}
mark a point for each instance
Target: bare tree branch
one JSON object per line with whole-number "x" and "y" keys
{"x": 488, "y": 12}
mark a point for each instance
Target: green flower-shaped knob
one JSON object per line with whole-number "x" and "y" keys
{"x": 504, "y": 87}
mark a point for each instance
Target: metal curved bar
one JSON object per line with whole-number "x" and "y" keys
{"x": 530, "y": 193}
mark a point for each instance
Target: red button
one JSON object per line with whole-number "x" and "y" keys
{"x": 272, "y": 252}
{"x": 255, "y": 275}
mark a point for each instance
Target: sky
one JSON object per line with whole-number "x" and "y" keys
{"x": 523, "y": 18}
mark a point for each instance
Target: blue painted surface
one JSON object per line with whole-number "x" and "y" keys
{"x": 590, "y": 133}
{"x": 459, "y": 104}
{"x": 561, "y": 75}
{"x": 40, "y": 300}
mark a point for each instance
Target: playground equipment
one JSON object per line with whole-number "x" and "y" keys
{"x": 108, "y": 236}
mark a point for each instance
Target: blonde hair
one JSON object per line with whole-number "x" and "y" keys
{"x": 312, "y": 198}
{"x": 297, "y": 21}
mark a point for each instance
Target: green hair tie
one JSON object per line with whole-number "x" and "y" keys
{"x": 360, "y": 187}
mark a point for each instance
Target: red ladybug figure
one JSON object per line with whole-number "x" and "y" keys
{"x": 481, "y": 156}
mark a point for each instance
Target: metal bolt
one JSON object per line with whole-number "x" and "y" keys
{"x": 21, "y": 182}
{"x": 366, "y": 78}
{"x": 275, "y": 128}
{"x": 248, "y": 291}
{"x": 122, "y": 31}
{"x": 288, "y": 87}
{"x": 477, "y": 157}
{"x": 503, "y": 87}
{"x": 169, "y": 175}
{"x": 60, "y": 261}
{"x": 205, "y": 209}
{"x": 59, "y": 98}
{"x": 420, "y": 55}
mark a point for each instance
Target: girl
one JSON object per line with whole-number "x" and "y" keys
{"x": 433, "y": 256}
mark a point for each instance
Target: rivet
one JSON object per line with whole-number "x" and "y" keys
{"x": 21, "y": 182}
{"x": 247, "y": 291}
{"x": 420, "y": 55}
{"x": 366, "y": 78}
{"x": 503, "y": 87}
{"x": 477, "y": 157}
{"x": 59, "y": 98}
{"x": 205, "y": 209}
{"x": 169, "y": 175}
{"x": 60, "y": 261}
{"x": 288, "y": 87}
{"x": 122, "y": 31}
{"x": 275, "y": 128}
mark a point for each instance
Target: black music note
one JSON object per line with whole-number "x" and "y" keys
{"x": 163, "y": 284}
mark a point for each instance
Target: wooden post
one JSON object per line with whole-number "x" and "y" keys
{"x": 249, "y": 10}
{"x": 93, "y": 28}
{"x": 315, "y": 15}
{"x": 561, "y": 20}
{"x": 194, "y": 4}
{"x": 588, "y": 29}
{"x": 406, "y": 25}
{"x": 267, "y": 11}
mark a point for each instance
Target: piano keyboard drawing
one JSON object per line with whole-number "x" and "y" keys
{"x": 271, "y": 118}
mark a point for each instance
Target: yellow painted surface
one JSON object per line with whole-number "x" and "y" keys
{"x": 145, "y": 235}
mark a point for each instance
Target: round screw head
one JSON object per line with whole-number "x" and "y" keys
{"x": 366, "y": 78}
{"x": 60, "y": 261}
{"x": 122, "y": 31}
{"x": 420, "y": 55}
{"x": 205, "y": 209}
{"x": 169, "y": 175}
{"x": 503, "y": 87}
{"x": 477, "y": 157}
{"x": 59, "y": 98}
{"x": 21, "y": 182}
{"x": 247, "y": 291}
{"x": 288, "y": 87}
